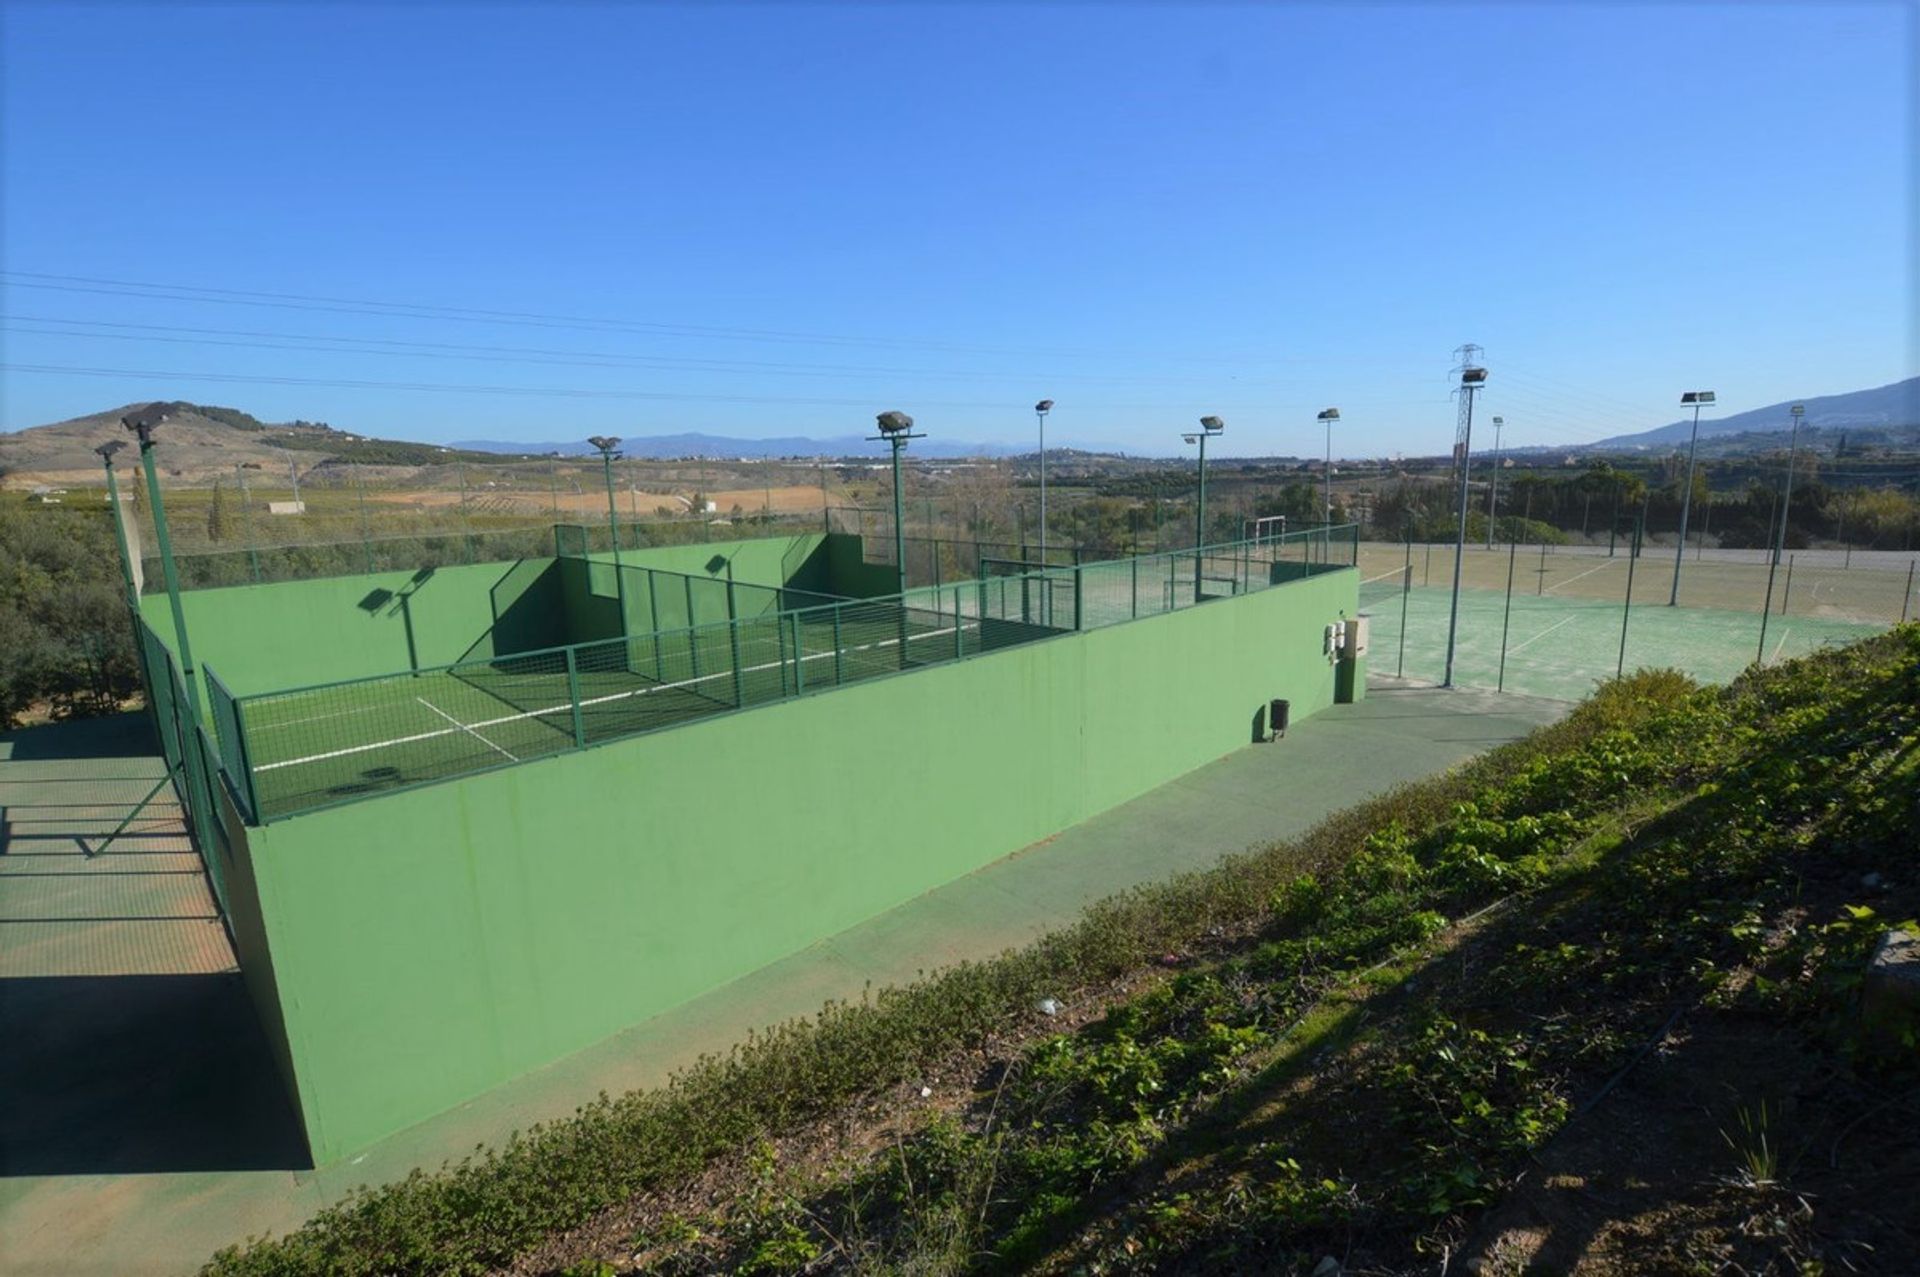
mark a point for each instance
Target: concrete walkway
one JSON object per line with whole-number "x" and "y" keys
{"x": 141, "y": 1123}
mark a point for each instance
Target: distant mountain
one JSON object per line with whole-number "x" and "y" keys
{"x": 719, "y": 446}
{"x": 1894, "y": 405}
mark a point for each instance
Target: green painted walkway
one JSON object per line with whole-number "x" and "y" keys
{"x": 141, "y": 1125}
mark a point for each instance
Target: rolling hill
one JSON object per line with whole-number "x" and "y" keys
{"x": 1893, "y": 405}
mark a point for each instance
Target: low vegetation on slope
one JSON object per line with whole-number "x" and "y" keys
{"x": 1588, "y": 1004}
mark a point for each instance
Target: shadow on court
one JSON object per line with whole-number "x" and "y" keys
{"x": 139, "y": 1074}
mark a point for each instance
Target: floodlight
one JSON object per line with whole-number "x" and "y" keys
{"x": 1212, "y": 425}
{"x": 107, "y": 449}
{"x": 1473, "y": 376}
{"x": 1798, "y": 410}
{"x": 1329, "y": 414}
{"x": 894, "y": 422}
{"x": 1696, "y": 398}
{"x": 1190, "y": 438}
{"x": 142, "y": 423}
{"x": 605, "y": 443}
{"x": 1044, "y": 406}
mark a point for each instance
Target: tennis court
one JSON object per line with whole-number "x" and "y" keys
{"x": 1818, "y": 585}
{"x": 1560, "y": 647}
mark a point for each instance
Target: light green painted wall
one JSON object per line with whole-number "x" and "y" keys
{"x": 431, "y": 944}
{"x": 262, "y": 638}
{"x": 765, "y": 561}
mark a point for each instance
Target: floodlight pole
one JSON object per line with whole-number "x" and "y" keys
{"x": 1209, "y": 426}
{"x": 606, "y": 444}
{"x": 1493, "y": 487}
{"x": 1327, "y": 418}
{"x": 895, "y": 429}
{"x": 1786, "y": 494}
{"x": 1698, "y": 398}
{"x": 1471, "y": 379}
{"x": 1040, "y": 411}
{"x": 1780, "y": 540}
{"x": 106, "y": 452}
{"x": 142, "y": 424}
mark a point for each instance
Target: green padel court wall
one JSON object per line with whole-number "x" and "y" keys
{"x": 263, "y": 638}
{"x": 430, "y": 944}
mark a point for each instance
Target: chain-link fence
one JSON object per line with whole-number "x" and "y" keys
{"x": 1553, "y": 620}
{"x": 695, "y": 647}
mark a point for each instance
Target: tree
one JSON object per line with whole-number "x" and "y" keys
{"x": 217, "y": 516}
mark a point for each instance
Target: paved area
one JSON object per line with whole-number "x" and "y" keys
{"x": 141, "y": 1123}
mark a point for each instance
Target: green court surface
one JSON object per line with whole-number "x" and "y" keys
{"x": 1561, "y": 647}
{"x": 330, "y": 744}
{"x": 1816, "y": 588}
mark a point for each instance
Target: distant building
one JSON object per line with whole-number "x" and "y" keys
{"x": 286, "y": 507}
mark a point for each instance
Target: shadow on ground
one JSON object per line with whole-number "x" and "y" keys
{"x": 112, "y": 736}
{"x": 134, "y": 1074}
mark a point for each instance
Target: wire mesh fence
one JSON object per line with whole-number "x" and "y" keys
{"x": 295, "y": 750}
{"x": 1554, "y": 620}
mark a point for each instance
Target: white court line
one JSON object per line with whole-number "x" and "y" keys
{"x": 1781, "y": 644}
{"x": 1542, "y": 634}
{"x": 463, "y": 727}
{"x": 567, "y": 707}
{"x": 1589, "y": 572}
{"x": 1399, "y": 571}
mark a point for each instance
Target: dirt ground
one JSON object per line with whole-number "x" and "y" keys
{"x": 632, "y": 502}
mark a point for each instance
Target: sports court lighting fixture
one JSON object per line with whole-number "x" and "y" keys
{"x": 1209, "y": 427}
{"x": 895, "y": 429}
{"x": 1327, "y": 417}
{"x": 1041, "y": 410}
{"x": 605, "y": 445}
{"x": 142, "y": 424}
{"x": 1493, "y": 489}
{"x": 1696, "y": 400}
{"x": 1473, "y": 378}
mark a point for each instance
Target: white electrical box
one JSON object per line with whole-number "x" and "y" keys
{"x": 1330, "y": 640}
{"x": 1357, "y": 636}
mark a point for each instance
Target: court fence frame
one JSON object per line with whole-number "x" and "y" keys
{"x": 557, "y": 699}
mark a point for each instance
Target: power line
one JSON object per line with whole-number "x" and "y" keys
{"x": 323, "y": 344}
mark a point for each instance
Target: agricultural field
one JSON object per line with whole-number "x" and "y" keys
{"x": 1590, "y": 1004}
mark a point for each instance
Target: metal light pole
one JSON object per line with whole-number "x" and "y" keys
{"x": 1786, "y": 494}
{"x": 142, "y": 424}
{"x": 1327, "y": 417}
{"x": 1780, "y": 539}
{"x": 1697, "y": 399}
{"x": 606, "y": 444}
{"x": 1209, "y": 427}
{"x": 1472, "y": 378}
{"x": 106, "y": 451}
{"x": 1040, "y": 410}
{"x": 895, "y": 429}
{"x": 1493, "y": 488}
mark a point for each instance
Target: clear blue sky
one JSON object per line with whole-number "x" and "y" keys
{"x": 768, "y": 221}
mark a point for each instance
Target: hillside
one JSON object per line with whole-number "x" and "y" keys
{"x": 1591, "y": 1004}
{"x": 201, "y": 443}
{"x": 1892, "y": 405}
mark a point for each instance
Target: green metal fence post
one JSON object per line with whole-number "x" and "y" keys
{"x": 573, "y": 698}
{"x": 733, "y": 640}
{"x": 799, "y": 661}
{"x": 839, "y": 651}
{"x": 1135, "y": 609}
{"x": 168, "y": 570}
{"x": 653, "y": 615}
{"x": 1079, "y": 614}
{"x": 959, "y": 630}
{"x": 693, "y": 645}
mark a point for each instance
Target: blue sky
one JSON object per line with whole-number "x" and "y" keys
{"x": 768, "y": 221}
